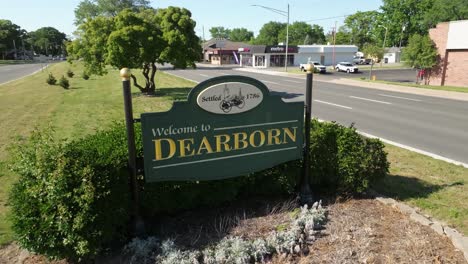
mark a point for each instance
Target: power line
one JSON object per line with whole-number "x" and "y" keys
{"x": 326, "y": 18}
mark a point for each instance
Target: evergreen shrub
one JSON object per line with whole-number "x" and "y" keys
{"x": 51, "y": 79}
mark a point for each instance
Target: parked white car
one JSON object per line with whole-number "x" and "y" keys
{"x": 317, "y": 66}
{"x": 346, "y": 67}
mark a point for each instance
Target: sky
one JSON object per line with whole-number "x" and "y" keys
{"x": 33, "y": 14}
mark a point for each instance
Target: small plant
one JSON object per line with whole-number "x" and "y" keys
{"x": 85, "y": 75}
{"x": 51, "y": 79}
{"x": 64, "y": 82}
{"x": 70, "y": 73}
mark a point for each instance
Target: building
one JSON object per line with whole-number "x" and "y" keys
{"x": 392, "y": 55}
{"x": 222, "y": 51}
{"x": 260, "y": 56}
{"x": 451, "y": 40}
{"x": 325, "y": 54}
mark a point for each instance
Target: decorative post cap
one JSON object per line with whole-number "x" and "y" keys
{"x": 309, "y": 68}
{"x": 125, "y": 74}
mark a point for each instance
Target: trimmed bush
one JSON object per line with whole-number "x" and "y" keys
{"x": 71, "y": 200}
{"x": 51, "y": 79}
{"x": 344, "y": 162}
{"x": 64, "y": 82}
{"x": 70, "y": 74}
{"x": 85, "y": 76}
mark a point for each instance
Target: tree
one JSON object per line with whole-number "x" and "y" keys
{"x": 241, "y": 35}
{"x": 220, "y": 32}
{"x": 48, "y": 41}
{"x": 270, "y": 33}
{"x": 9, "y": 33}
{"x": 373, "y": 51}
{"x": 342, "y": 37}
{"x": 361, "y": 26}
{"x": 301, "y": 33}
{"x": 420, "y": 53}
{"x": 446, "y": 10}
{"x": 138, "y": 40}
{"x": 89, "y": 9}
{"x": 404, "y": 14}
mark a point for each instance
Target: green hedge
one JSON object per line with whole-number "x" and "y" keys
{"x": 72, "y": 198}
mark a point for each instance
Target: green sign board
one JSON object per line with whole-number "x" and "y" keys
{"x": 229, "y": 126}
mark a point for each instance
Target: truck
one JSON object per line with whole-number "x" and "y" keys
{"x": 317, "y": 66}
{"x": 361, "y": 60}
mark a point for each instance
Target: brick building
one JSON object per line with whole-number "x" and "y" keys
{"x": 451, "y": 40}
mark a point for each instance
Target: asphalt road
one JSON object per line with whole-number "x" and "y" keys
{"x": 17, "y": 71}
{"x": 435, "y": 125}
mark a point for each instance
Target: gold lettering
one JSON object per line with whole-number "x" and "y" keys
{"x": 186, "y": 145}
{"x": 204, "y": 145}
{"x": 290, "y": 134}
{"x": 252, "y": 139}
{"x": 274, "y": 134}
{"x": 222, "y": 143}
{"x": 238, "y": 139}
{"x": 158, "y": 148}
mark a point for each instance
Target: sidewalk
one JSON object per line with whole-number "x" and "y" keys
{"x": 370, "y": 85}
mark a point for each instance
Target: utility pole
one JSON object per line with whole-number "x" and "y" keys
{"x": 287, "y": 43}
{"x": 14, "y": 47}
{"x": 334, "y": 44}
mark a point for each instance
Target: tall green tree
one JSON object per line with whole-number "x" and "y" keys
{"x": 220, "y": 32}
{"x": 138, "y": 40}
{"x": 9, "y": 33}
{"x": 48, "y": 41}
{"x": 362, "y": 26}
{"x": 270, "y": 33}
{"x": 420, "y": 53}
{"x": 241, "y": 35}
{"x": 404, "y": 18}
{"x": 342, "y": 37}
{"x": 446, "y": 10}
{"x": 301, "y": 33}
{"x": 89, "y": 9}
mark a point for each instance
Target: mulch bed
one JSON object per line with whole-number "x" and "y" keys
{"x": 358, "y": 231}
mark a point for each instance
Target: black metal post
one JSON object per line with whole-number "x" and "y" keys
{"x": 129, "y": 121}
{"x": 306, "y": 193}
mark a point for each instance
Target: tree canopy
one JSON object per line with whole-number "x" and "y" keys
{"x": 138, "y": 40}
{"x": 361, "y": 26}
{"x": 269, "y": 33}
{"x": 241, "y": 35}
{"x": 220, "y": 32}
{"x": 89, "y": 9}
{"x": 301, "y": 33}
{"x": 48, "y": 41}
{"x": 420, "y": 52}
{"x": 9, "y": 32}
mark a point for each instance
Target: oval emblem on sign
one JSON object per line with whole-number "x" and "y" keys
{"x": 230, "y": 98}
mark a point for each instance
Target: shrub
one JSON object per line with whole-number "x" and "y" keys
{"x": 70, "y": 74}
{"x": 71, "y": 200}
{"x": 51, "y": 79}
{"x": 64, "y": 82}
{"x": 344, "y": 162}
{"x": 85, "y": 76}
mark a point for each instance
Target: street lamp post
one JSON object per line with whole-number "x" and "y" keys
{"x": 286, "y": 14}
{"x": 385, "y": 37}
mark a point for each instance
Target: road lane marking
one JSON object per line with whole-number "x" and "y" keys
{"x": 222, "y": 73}
{"x": 371, "y": 100}
{"x": 269, "y": 82}
{"x": 404, "y": 98}
{"x": 204, "y": 75}
{"x": 328, "y": 103}
{"x": 432, "y": 155}
{"x": 179, "y": 76}
{"x": 291, "y": 81}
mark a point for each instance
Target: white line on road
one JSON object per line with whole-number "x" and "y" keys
{"x": 222, "y": 73}
{"x": 292, "y": 81}
{"x": 328, "y": 103}
{"x": 269, "y": 82}
{"x": 204, "y": 75}
{"x": 404, "y": 98}
{"x": 432, "y": 155}
{"x": 367, "y": 99}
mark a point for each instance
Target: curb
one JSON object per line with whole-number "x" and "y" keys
{"x": 459, "y": 241}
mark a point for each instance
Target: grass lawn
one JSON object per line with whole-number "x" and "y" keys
{"x": 433, "y": 87}
{"x": 87, "y": 106}
{"x": 437, "y": 187}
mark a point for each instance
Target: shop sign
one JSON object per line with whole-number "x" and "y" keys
{"x": 229, "y": 126}
{"x": 281, "y": 49}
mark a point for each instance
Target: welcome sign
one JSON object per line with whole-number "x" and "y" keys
{"x": 229, "y": 126}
